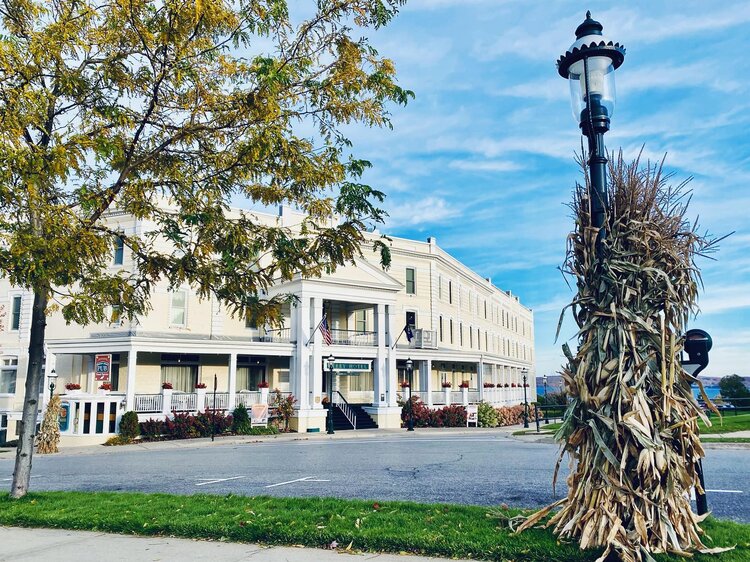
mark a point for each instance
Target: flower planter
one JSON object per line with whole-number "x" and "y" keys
{"x": 166, "y": 405}
{"x": 447, "y": 391}
{"x": 464, "y": 396}
{"x": 200, "y": 399}
{"x": 264, "y": 395}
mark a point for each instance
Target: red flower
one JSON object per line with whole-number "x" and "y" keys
{"x": 105, "y": 386}
{"x": 72, "y": 386}
{"x": 166, "y": 385}
{"x": 263, "y": 384}
{"x": 200, "y": 385}
{"x": 405, "y": 384}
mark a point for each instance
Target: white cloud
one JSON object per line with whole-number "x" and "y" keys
{"x": 724, "y": 299}
{"x": 485, "y": 165}
{"x": 429, "y": 210}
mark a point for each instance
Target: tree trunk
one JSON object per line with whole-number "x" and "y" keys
{"x": 34, "y": 374}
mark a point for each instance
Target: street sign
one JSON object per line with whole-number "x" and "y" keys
{"x": 353, "y": 366}
{"x": 102, "y": 367}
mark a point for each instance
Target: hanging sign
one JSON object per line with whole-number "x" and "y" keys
{"x": 102, "y": 367}
{"x": 349, "y": 365}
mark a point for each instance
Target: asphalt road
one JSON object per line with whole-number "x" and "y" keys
{"x": 482, "y": 470}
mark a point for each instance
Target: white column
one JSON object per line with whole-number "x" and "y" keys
{"x": 130, "y": 384}
{"x": 480, "y": 381}
{"x": 379, "y": 367}
{"x": 428, "y": 381}
{"x": 299, "y": 376}
{"x": 391, "y": 369}
{"x": 315, "y": 371}
{"x": 232, "y": 381}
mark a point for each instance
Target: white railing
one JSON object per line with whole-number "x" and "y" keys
{"x": 148, "y": 403}
{"x": 438, "y": 397}
{"x": 184, "y": 402}
{"x": 222, "y": 400}
{"x": 473, "y": 396}
{"x": 343, "y": 405}
{"x": 246, "y": 398}
{"x": 421, "y": 394}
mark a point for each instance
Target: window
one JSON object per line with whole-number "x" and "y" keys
{"x": 441, "y": 328}
{"x": 114, "y": 372}
{"x": 178, "y": 309}
{"x": 451, "y": 329}
{"x": 115, "y": 316}
{"x": 180, "y": 370}
{"x": 485, "y": 310}
{"x": 251, "y": 320}
{"x": 461, "y": 334}
{"x": 486, "y": 342}
{"x": 479, "y": 339}
{"x": 15, "y": 314}
{"x": 411, "y": 319}
{"x": 362, "y": 382}
{"x": 119, "y": 251}
{"x": 360, "y": 320}
{"x": 8, "y": 375}
{"x": 471, "y": 337}
{"x": 250, "y": 371}
{"x": 450, "y": 292}
{"x": 440, "y": 287}
{"x": 411, "y": 286}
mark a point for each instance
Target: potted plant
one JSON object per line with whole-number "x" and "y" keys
{"x": 105, "y": 388}
{"x": 263, "y": 384}
{"x": 166, "y": 385}
{"x": 73, "y": 388}
{"x": 489, "y": 385}
{"x": 464, "y": 384}
{"x": 507, "y": 385}
{"x": 447, "y": 384}
{"x": 263, "y": 387}
{"x": 200, "y": 386}
{"x": 405, "y": 384}
{"x": 200, "y": 396}
{"x": 513, "y": 385}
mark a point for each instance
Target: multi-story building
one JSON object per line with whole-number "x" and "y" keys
{"x": 463, "y": 327}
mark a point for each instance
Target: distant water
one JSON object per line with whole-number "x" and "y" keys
{"x": 711, "y": 391}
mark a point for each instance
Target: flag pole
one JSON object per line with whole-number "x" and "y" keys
{"x": 315, "y": 331}
{"x": 399, "y": 337}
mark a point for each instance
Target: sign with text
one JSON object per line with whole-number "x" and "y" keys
{"x": 102, "y": 367}
{"x": 352, "y": 366}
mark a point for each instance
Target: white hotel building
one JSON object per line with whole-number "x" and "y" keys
{"x": 465, "y": 329}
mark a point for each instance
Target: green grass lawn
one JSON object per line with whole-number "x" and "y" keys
{"x": 726, "y": 424}
{"x": 433, "y": 529}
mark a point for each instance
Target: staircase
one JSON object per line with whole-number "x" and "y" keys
{"x": 342, "y": 423}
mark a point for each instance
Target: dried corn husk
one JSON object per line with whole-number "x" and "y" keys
{"x": 48, "y": 437}
{"x": 630, "y": 429}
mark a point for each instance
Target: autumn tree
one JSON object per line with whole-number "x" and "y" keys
{"x": 168, "y": 111}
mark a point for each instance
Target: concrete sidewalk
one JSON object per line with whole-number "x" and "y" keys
{"x": 21, "y": 544}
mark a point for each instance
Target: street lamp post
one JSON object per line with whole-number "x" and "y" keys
{"x": 525, "y": 372}
{"x": 410, "y": 372}
{"x": 546, "y": 404}
{"x": 329, "y": 419}
{"x": 52, "y": 378}
{"x": 589, "y": 66}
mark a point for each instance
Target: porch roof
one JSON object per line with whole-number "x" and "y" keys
{"x": 167, "y": 343}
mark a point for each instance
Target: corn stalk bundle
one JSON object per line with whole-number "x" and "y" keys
{"x": 631, "y": 426}
{"x": 48, "y": 437}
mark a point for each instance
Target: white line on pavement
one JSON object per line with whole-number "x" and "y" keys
{"x": 217, "y": 480}
{"x": 725, "y": 491}
{"x": 11, "y": 478}
{"x": 305, "y": 479}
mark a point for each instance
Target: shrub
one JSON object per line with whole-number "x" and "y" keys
{"x": 129, "y": 428}
{"x": 211, "y": 422}
{"x": 454, "y": 416}
{"x": 117, "y": 440}
{"x": 240, "y": 420}
{"x": 152, "y": 429}
{"x": 487, "y": 415}
{"x": 181, "y": 426}
{"x": 511, "y": 415}
{"x": 272, "y": 430}
{"x": 553, "y": 399}
{"x": 284, "y": 406}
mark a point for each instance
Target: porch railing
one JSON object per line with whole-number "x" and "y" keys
{"x": 274, "y": 336}
{"x": 352, "y": 337}
{"x": 221, "y": 403}
{"x": 247, "y": 398}
{"x": 184, "y": 402}
{"x": 148, "y": 403}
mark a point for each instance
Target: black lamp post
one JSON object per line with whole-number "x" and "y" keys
{"x": 410, "y": 373}
{"x": 329, "y": 419}
{"x": 589, "y": 66}
{"x": 525, "y": 372}
{"x": 52, "y": 378}
{"x": 546, "y": 404}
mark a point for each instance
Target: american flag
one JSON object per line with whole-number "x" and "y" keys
{"x": 325, "y": 331}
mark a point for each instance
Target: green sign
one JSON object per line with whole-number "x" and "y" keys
{"x": 350, "y": 366}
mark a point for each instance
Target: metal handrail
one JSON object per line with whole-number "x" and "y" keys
{"x": 345, "y": 408}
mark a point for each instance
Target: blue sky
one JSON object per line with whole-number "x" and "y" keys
{"x": 483, "y": 158}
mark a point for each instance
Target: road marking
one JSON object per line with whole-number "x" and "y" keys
{"x": 11, "y": 478}
{"x": 216, "y": 480}
{"x": 725, "y": 491}
{"x": 305, "y": 479}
